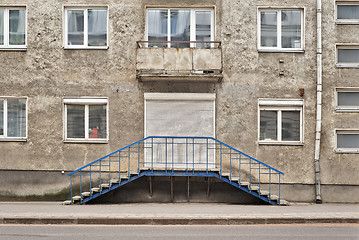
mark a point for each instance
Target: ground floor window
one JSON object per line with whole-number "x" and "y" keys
{"x": 280, "y": 121}
{"x": 347, "y": 141}
{"x": 13, "y": 118}
{"x": 86, "y": 119}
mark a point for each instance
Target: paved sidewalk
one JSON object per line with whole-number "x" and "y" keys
{"x": 168, "y": 214}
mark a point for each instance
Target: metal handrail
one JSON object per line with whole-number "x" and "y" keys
{"x": 165, "y": 147}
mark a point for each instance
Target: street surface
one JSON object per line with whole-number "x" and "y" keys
{"x": 205, "y": 232}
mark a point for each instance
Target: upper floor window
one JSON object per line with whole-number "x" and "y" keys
{"x": 12, "y": 28}
{"x": 180, "y": 25}
{"x": 348, "y": 56}
{"x": 347, "y": 100}
{"x": 347, "y": 141}
{"x": 86, "y": 28}
{"x": 280, "y": 30}
{"x": 13, "y": 119}
{"x": 347, "y": 13}
{"x": 280, "y": 121}
{"x": 86, "y": 119}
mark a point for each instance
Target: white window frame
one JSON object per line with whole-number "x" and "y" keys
{"x": 5, "y": 138}
{"x": 6, "y": 45}
{"x": 345, "y": 21}
{"x": 280, "y": 105}
{"x": 279, "y": 30}
{"x": 192, "y": 23}
{"x": 86, "y": 102}
{"x": 345, "y": 131}
{"x": 345, "y": 108}
{"x": 85, "y": 9}
{"x": 345, "y": 46}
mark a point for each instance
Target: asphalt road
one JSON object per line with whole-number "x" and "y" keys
{"x": 267, "y": 232}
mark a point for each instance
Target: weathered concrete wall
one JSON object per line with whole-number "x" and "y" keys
{"x": 46, "y": 73}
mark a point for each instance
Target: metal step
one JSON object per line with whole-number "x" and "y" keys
{"x": 67, "y": 202}
{"x": 95, "y": 190}
{"x": 264, "y": 193}
{"x": 245, "y": 184}
{"x": 76, "y": 198}
{"x": 105, "y": 185}
{"x": 86, "y": 194}
{"x": 274, "y": 197}
{"x": 254, "y": 188}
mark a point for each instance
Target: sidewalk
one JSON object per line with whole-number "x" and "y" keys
{"x": 172, "y": 214}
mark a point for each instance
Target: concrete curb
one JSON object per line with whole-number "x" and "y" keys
{"x": 176, "y": 221}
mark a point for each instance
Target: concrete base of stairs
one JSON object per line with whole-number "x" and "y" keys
{"x": 175, "y": 214}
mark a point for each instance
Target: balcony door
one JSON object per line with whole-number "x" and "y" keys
{"x": 180, "y": 115}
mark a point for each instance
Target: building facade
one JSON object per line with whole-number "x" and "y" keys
{"x": 80, "y": 79}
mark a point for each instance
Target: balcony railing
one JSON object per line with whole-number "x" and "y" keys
{"x": 179, "y": 60}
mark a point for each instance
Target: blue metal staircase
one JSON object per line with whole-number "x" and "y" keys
{"x": 176, "y": 156}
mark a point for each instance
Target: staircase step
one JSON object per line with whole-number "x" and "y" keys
{"x": 225, "y": 174}
{"x": 114, "y": 181}
{"x": 67, "y": 202}
{"x": 76, "y": 198}
{"x": 95, "y": 190}
{"x": 264, "y": 193}
{"x": 254, "y": 188}
{"x": 105, "y": 185}
{"x": 144, "y": 168}
{"x": 245, "y": 184}
{"x": 274, "y": 197}
{"x": 284, "y": 203}
{"x": 86, "y": 194}
{"x": 235, "y": 179}
{"x": 214, "y": 170}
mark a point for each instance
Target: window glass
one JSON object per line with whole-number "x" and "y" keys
{"x": 268, "y": 125}
{"x": 290, "y": 126}
{"x": 348, "y": 11}
{"x": 1, "y": 27}
{"x": 348, "y": 140}
{"x": 157, "y": 26}
{"x": 1, "y": 117}
{"x": 348, "y": 98}
{"x": 268, "y": 29}
{"x": 16, "y": 27}
{"x": 180, "y": 27}
{"x": 16, "y": 117}
{"x": 75, "y": 121}
{"x": 203, "y": 28}
{"x": 75, "y": 27}
{"x": 291, "y": 29}
{"x": 97, "y": 121}
{"x": 348, "y": 55}
{"x": 97, "y": 27}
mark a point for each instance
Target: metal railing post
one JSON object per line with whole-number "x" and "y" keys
{"x": 207, "y": 156}
{"x": 186, "y": 155}
{"x": 172, "y": 155}
{"x": 119, "y": 167}
{"x": 220, "y": 153}
{"x": 129, "y": 163}
{"x": 72, "y": 201}
{"x": 230, "y": 164}
{"x": 90, "y": 181}
{"x": 80, "y": 186}
{"x": 152, "y": 155}
{"x": 138, "y": 158}
{"x": 279, "y": 191}
{"x": 239, "y": 169}
{"x": 166, "y": 152}
{"x": 100, "y": 175}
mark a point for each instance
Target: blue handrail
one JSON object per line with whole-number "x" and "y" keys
{"x": 158, "y": 154}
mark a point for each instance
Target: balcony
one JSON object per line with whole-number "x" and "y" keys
{"x": 199, "y": 61}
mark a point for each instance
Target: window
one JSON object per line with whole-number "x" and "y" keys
{"x": 280, "y": 121}
{"x": 86, "y": 120}
{"x": 280, "y": 30}
{"x": 347, "y": 100}
{"x": 348, "y": 56}
{"x": 13, "y": 119}
{"x": 12, "y": 28}
{"x": 180, "y": 25}
{"x": 347, "y": 141}
{"x": 347, "y": 13}
{"x": 86, "y": 28}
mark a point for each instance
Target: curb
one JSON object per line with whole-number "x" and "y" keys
{"x": 176, "y": 221}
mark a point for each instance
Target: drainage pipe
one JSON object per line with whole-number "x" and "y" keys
{"x": 318, "y": 128}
